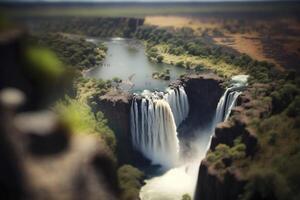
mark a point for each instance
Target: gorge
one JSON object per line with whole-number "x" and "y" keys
{"x": 182, "y": 178}
{"x": 170, "y": 126}
{"x": 154, "y": 101}
{"x": 170, "y": 123}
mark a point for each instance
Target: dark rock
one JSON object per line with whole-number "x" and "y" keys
{"x": 227, "y": 161}
{"x": 212, "y": 187}
{"x": 46, "y": 135}
{"x": 227, "y": 132}
{"x": 204, "y": 92}
{"x": 17, "y": 73}
{"x": 71, "y": 166}
{"x": 67, "y": 166}
{"x": 115, "y": 106}
{"x": 12, "y": 178}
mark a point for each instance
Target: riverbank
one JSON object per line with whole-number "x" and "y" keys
{"x": 195, "y": 62}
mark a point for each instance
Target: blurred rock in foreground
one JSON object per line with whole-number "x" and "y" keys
{"x": 40, "y": 158}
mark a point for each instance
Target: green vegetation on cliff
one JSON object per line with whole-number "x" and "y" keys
{"x": 275, "y": 174}
{"x": 186, "y": 197}
{"x": 87, "y": 88}
{"x": 130, "y": 180}
{"x": 224, "y": 155}
{"x": 273, "y": 115}
{"x": 79, "y": 117}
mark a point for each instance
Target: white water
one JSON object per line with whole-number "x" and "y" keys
{"x": 178, "y": 102}
{"x": 228, "y": 100}
{"x": 153, "y": 124}
{"x": 226, "y": 103}
{"x": 181, "y": 180}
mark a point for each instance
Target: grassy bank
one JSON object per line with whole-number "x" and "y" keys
{"x": 197, "y": 62}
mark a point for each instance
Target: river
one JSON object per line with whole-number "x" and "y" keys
{"x": 126, "y": 59}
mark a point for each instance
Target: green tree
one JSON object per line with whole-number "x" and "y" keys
{"x": 186, "y": 197}
{"x": 130, "y": 180}
{"x": 159, "y": 58}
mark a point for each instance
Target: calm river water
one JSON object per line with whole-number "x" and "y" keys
{"x": 126, "y": 59}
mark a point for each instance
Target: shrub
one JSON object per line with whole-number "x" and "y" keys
{"x": 266, "y": 184}
{"x": 159, "y": 58}
{"x": 284, "y": 96}
{"x": 272, "y": 138}
{"x": 72, "y": 51}
{"x": 130, "y": 180}
{"x": 211, "y": 157}
{"x": 117, "y": 80}
{"x": 186, "y": 197}
{"x": 80, "y": 119}
{"x": 223, "y": 148}
{"x": 199, "y": 68}
{"x": 180, "y": 64}
{"x": 293, "y": 110}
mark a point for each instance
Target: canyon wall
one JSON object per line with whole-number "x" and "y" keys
{"x": 115, "y": 105}
{"x": 213, "y": 186}
{"x": 204, "y": 92}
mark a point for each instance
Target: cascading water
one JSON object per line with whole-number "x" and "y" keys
{"x": 154, "y": 119}
{"x": 178, "y": 102}
{"x": 228, "y": 100}
{"x": 226, "y": 103}
{"x": 183, "y": 179}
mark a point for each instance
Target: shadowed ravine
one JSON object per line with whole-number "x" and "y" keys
{"x": 182, "y": 178}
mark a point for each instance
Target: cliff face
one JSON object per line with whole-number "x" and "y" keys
{"x": 115, "y": 106}
{"x": 227, "y": 132}
{"x": 204, "y": 92}
{"x": 210, "y": 186}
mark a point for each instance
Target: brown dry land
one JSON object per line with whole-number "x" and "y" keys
{"x": 249, "y": 44}
{"x": 197, "y": 24}
{"x": 275, "y": 41}
{"x": 292, "y": 45}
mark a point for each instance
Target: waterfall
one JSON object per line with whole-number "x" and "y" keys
{"x": 154, "y": 119}
{"x": 178, "y": 102}
{"x": 228, "y": 101}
